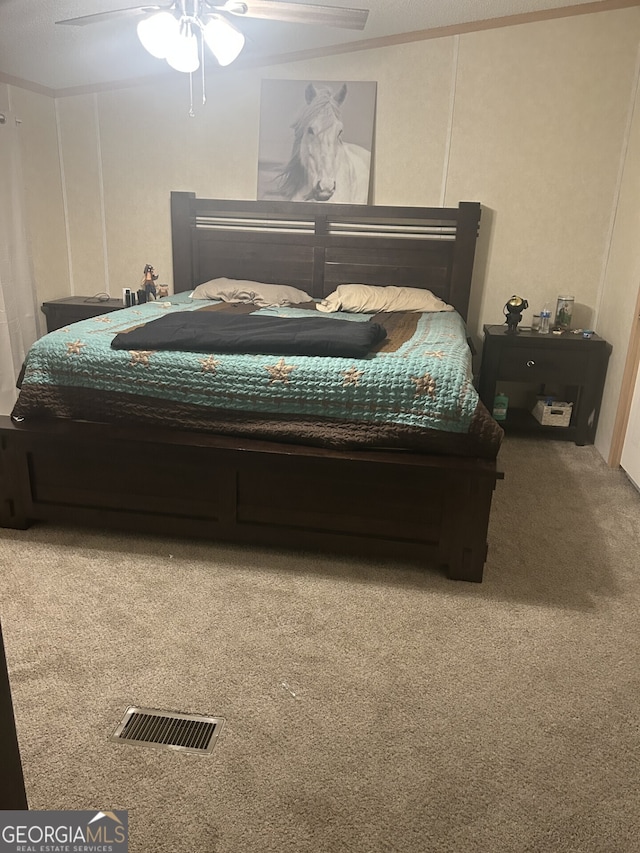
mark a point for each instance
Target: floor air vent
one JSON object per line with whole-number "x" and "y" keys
{"x": 192, "y": 733}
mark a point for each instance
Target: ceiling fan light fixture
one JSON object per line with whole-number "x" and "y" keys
{"x": 158, "y": 33}
{"x": 183, "y": 54}
{"x": 222, "y": 39}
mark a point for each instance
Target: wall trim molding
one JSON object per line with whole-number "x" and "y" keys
{"x": 632, "y": 359}
{"x": 26, "y": 84}
{"x": 629, "y": 376}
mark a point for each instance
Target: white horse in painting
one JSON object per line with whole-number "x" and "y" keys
{"x": 323, "y": 167}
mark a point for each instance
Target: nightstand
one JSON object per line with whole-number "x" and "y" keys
{"x": 528, "y": 365}
{"x": 62, "y": 312}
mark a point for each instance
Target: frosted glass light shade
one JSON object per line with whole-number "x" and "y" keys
{"x": 158, "y": 32}
{"x": 183, "y": 54}
{"x": 223, "y": 40}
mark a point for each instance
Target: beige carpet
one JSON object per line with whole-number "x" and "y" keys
{"x": 369, "y": 707}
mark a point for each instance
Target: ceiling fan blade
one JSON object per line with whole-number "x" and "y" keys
{"x": 100, "y": 17}
{"x": 297, "y": 13}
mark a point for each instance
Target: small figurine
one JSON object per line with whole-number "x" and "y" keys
{"x": 148, "y": 282}
{"x": 513, "y": 312}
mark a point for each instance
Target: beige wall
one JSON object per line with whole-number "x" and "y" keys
{"x": 43, "y": 190}
{"x": 531, "y": 120}
{"x": 540, "y": 114}
{"x": 43, "y": 193}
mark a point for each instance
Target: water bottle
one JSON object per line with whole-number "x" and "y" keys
{"x": 545, "y": 320}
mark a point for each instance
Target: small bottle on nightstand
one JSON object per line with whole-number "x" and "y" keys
{"x": 545, "y": 320}
{"x": 500, "y": 406}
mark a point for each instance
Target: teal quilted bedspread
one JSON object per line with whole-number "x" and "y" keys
{"x": 425, "y": 382}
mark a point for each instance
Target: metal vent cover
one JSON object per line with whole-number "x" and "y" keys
{"x": 194, "y": 733}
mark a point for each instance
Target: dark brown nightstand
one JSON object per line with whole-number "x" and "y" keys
{"x": 62, "y": 312}
{"x": 569, "y": 366}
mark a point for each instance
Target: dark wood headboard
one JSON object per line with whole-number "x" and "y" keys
{"x": 317, "y": 246}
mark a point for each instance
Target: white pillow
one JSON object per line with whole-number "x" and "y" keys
{"x": 366, "y": 298}
{"x": 253, "y": 292}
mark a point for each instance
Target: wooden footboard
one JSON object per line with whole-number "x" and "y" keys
{"x": 432, "y": 509}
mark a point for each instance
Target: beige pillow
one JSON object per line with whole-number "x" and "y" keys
{"x": 253, "y": 292}
{"x": 366, "y": 298}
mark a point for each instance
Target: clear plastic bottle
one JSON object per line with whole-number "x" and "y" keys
{"x": 545, "y": 320}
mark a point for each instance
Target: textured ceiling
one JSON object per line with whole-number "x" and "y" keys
{"x": 33, "y": 49}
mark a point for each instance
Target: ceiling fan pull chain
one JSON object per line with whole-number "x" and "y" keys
{"x": 204, "y": 88}
{"x": 191, "y": 112}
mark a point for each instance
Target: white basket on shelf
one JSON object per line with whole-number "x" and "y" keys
{"x": 553, "y": 414}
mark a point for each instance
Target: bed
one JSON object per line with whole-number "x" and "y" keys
{"x": 293, "y": 469}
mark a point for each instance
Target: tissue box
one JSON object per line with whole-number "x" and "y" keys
{"x": 553, "y": 414}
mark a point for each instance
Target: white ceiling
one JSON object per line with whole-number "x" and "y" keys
{"x": 36, "y": 50}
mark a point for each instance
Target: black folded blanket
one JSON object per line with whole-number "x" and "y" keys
{"x": 210, "y": 331}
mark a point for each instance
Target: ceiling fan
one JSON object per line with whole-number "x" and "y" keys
{"x": 177, "y": 31}
{"x": 274, "y": 10}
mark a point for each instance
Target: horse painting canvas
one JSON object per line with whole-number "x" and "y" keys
{"x": 326, "y": 160}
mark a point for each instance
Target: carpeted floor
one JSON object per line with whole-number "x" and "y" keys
{"x": 369, "y": 707}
